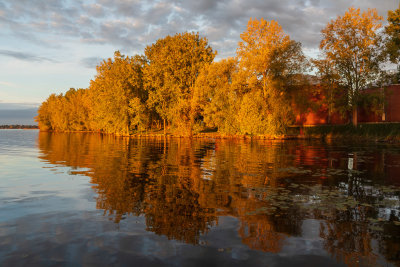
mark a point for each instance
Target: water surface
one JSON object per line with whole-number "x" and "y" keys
{"x": 91, "y": 199}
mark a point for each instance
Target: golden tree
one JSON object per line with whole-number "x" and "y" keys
{"x": 117, "y": 90}
{"x": 392, "y": 41}
{"x": 271, "y": 63}
{"x": 174, "y": 63}
{"x": 351, "y": 43}
{"x": 66, "y": 112}
{"x": 214, "y": 96}
{"x": 393, "y": 32}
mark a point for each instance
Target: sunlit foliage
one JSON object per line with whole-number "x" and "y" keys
{"x": 351, "y": 43}
{"x": 174, "y": 62}
{"x": 176, "y": 87}
{"x": 174, "y": 83}
{"x": 215, "y": 98}
{"x": 114, "y": 102}
{"x": 271, "y": 64}
{"x": 393, "y": 33}
{"x": 69, "y": 112}
{"x": 118, "y": 95}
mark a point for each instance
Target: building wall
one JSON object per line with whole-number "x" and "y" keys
{"x": 392, "y": 108}
{"x": 319, "y": 116}
{"x": 365, "y": 115}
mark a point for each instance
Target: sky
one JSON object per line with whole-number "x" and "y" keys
{"x": 50, "y": 46}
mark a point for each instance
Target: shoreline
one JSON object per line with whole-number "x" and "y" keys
{"x": 215, "y": 135}
{"x": 18, "y": 126}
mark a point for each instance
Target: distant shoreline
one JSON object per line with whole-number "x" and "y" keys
{"x": 18, "y": 126}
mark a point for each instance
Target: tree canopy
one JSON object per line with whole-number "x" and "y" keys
{"x": 393, "y": 33}
{"x": 351, "y": 43}
{"x": 271, "y": 63}
{"x": 174, "y": 62}
{"x": 176, "y": 83}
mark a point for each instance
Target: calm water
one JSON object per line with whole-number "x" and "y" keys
{"x": 87, "y": 199}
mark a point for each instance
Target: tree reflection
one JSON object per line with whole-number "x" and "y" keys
{"x": 182, "y": 186}
{"x": 348, "y": 240}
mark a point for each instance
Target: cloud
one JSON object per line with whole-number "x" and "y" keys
{"x": 77, "y": 34}
{"x": 130, "y": 25}
{"x": 94, "y": 10}
{"x": 25, "y": 56}
{"x": 91, "y": 62}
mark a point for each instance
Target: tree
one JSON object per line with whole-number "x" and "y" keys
{"x": 117, "y": 83}
{"x": 351, "y": 44}
{"x": 65, "y": 112}
{"x": 215, "y": 99}
{"x": 174, "y": 63}
{"x": 392, "y": 42}
{"x": 392, "y": 31}
{"x": 272, "y": 64}
{"x": 44, "y": 114}
{"x": 332, "y": 95}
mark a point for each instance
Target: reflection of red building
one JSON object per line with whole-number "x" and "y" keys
{"x": 392, "y": 168}
{"x": 321, "y": 116}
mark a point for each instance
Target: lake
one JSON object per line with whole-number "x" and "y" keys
{"x": 75, "y": 199}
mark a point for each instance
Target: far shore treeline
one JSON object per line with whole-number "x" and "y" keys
{"x": 177, "y": 85}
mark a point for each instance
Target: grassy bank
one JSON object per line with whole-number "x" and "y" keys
{"x": 382, "y": 132}
{"x": 367, "y": 131}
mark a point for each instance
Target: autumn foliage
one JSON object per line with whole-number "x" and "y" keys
{"x": 177, "y": 85}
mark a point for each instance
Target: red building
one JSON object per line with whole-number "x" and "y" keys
{"x": 321, "y": 116}
{"x": 391, "y": 110}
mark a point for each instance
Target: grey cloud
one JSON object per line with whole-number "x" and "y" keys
{"x": 119, "y": 33}
{"x": 133, "y": 24}
{"x": 125, "y": 7}
{"x": 198, "y": 6}
{"x": 94, "y": 10}
{"x": 91, "y": 62}
{"x": 25, "y": 56}
{"x": 225, "y": 48}
{"x": 158, "y": 14}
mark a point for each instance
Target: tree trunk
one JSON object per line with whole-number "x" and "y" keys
{"x": 165, "y": 130}
{"x": 329, "y": 114}
{"x": 330, "y": 105}
{"x": 191, "y": 124}
{"x": 165, "y": 146}
{"x": 190, "y": 131}
{"x": 355, "y": 116}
